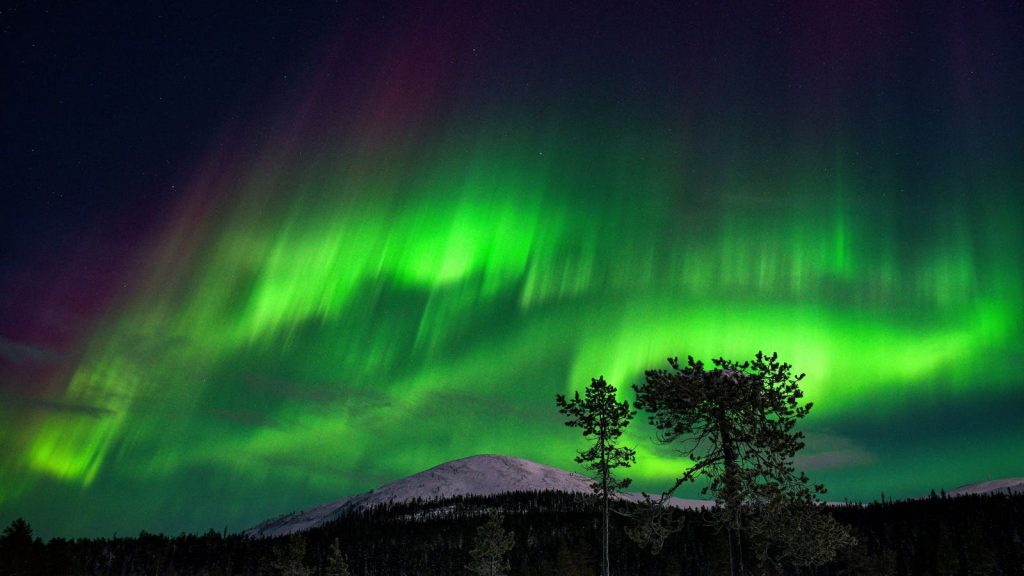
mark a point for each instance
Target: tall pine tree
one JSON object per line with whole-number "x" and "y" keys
{"x": 603, "y": 419}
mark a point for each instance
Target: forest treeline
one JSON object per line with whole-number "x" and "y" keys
{"x": 554, "y": 534}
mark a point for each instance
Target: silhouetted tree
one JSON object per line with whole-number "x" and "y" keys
{"x": 568, "y": 561}
{"x": 290, "y": 556}
{"x": 603, "y": 419}
{"x": 337, "y": 564}
{"x": 736, "y": 423}
{"x": 797, "y": 532}
{"x": 490, "y": 546}
{"x": 653, "y": 522}
{"x": 17, "y": 549}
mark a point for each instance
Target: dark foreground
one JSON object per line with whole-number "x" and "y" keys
{"x": 555, "y": 534}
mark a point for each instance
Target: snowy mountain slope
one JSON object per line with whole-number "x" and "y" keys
{"x": 488, "y": 475}
{"x": 1006, "y": 485}
{"x": 483, "y": 475}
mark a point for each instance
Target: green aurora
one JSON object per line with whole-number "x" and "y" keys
{"x": 345, "y": 302}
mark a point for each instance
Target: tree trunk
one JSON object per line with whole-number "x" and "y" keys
{"x": 605, "y": 558}
{"x": 729, "y": 481}
{"x": 739, "y": 551}
{"x": 732, "y": 556}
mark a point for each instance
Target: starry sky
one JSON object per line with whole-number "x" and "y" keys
{"x": 255, "y": 257}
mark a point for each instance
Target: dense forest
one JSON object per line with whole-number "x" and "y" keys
{"x": 554, "y": 534}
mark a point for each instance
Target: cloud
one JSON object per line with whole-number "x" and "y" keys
{"x": 57, "y": 406}
{"x": 19, "y": 353}
{"x": 301, "y": 463}
{"x": 313, "y": 392}
{"x": 267, "y": 402}
{"x": 836, "y": 459}
{"x": 244, "y": 416}
{"x": 825, "y": 451}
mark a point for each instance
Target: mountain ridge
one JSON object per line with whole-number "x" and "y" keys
{"x": 480, "y": 475}
{"x": 493, "y": 474}
{"x": 1003, "y": 486}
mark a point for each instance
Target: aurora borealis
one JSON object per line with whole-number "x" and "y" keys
{"x": 450, "y": 214}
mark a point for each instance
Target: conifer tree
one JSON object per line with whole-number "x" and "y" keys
{"x": 603, "y": 419}
{"x": 736, "y": 423}
{"x": 337, "y": 565}
{"x": 17, "y": 548}
{"x": 575, "y": 561}
{"x": 290, "y": 555}
{"x": 490, "y": 546}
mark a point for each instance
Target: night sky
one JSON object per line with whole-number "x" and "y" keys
{"x": 256, "y": 257}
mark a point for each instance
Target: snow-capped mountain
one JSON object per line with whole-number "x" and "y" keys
{"x": 489, "y": 475}
{"x": 1006, "y": 486}
{"x": 484, "y": 475}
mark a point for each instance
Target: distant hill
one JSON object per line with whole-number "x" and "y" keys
{"x": 489, "y": 475}
{"x": 1004, "y": 486}
{"x": 483, "y": 475}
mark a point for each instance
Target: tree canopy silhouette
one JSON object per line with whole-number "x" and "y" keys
{"x": 603, "y": 419}
{"x": 736, "y": 423}
{"x": 490, "y": 547}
